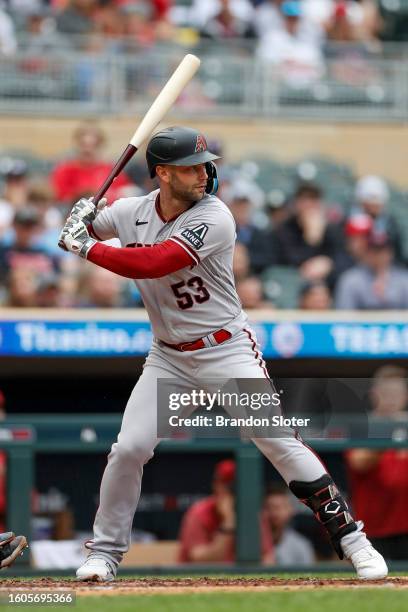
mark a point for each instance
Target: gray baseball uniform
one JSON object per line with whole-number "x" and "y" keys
{"x": 183, "y": 307}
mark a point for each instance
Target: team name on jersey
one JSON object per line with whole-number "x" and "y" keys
{"x": 196, "y": 235}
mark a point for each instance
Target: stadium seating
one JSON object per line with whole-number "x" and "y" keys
{"x": 282, "y": 285}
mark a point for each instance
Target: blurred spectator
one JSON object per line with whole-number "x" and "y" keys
{"x": 48, "y": 293}
{"x": 14, "y": 195}
{"x": 269, "y": 18}
{"x": 138, "y": 22}
{"x": 22, "y": 287}
{"x": 86, "y": 171}
{"x": 351, "y": 63}
{"x": 240, "y": 262}
{"x": 109, "y": 21}
{"x": 207, "y": 531}
{"x": 242, "y": 205}
{"x": 379, "y": 478}
{"x": 100, "y": 288}
{"x": 353, "y": 20}
{"x": 307, "y": 240}
{"x": 203, "y": 12}
{"x": 41, "y": 196}
{"x": 77, "y": 17}
{"x": 276, "y": 208}
{"x": 299, "y": 61}
{"x": 281, "y": 544}
{"x": 357, "y": 230}
{"x": 371, "y": 197}
{"x": 41, "y": 36}
{"x": 315, "y": 296}
{"x": 21, "y": 252}
{"x": 376, "y": 284}
{"x": 8, "y": 42}
{"x": 250, "y": 292}
{"x": 389, "y": 393}
{"x": 227, "y": 22}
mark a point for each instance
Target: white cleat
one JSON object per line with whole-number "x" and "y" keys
{"x": 95, "y": 569}
{"x": 369, "y": 564}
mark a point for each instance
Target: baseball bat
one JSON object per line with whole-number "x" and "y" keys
{"x": 161, "y": 105}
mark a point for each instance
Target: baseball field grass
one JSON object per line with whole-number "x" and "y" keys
{"x": 257, "y": 593}
{"x": 326, "y": 600}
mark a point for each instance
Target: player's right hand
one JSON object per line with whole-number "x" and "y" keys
{"x": 75, "y": 238}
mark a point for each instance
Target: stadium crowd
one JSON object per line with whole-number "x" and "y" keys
{"x": 286, "y": 31}
{"x": 295, "y": 247}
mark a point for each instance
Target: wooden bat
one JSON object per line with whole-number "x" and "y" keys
{"x": 161, "y": 105}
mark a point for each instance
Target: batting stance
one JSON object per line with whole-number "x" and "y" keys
{"x": 178, "y": 243}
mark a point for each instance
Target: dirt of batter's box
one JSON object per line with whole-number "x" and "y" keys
{"x": 142, "y": 586}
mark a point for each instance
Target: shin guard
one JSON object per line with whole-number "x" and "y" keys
{"x": 328, "y": 505}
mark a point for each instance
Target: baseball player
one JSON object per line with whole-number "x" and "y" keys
{"x": 177, "y": 244}
{"x": 11, "y": 546}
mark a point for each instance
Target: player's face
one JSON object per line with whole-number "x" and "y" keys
{"x": 279, "y": 510}
{"x": 188, "y": 182}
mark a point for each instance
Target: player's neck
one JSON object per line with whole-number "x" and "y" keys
{"x": 170, "y": 207}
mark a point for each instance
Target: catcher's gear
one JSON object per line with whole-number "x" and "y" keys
{"x": 181, "y": 146}
{"x": 83, "y": 210}
{"x": 76, "y": 239}
{"x": 329, "y": 507}
{"x": 11, "y": 547}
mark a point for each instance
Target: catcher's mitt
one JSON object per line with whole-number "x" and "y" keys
{"x": 11, "y": 547}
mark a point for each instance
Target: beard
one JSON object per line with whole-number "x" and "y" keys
{"x": 185, "y": 194}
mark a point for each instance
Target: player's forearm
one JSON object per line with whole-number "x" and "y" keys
{"x": 141, "y": 262}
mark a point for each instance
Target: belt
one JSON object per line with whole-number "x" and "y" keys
{"x": 218, "y": 337}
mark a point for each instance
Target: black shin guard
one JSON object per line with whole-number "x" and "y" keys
{"x": 328, "y": 505}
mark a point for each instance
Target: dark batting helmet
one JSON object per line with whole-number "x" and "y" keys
{"x": 181, "y": 146}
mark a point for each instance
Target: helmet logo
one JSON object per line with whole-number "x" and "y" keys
{"x": 201, "y": 144}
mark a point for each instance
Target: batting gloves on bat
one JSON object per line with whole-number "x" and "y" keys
{"x": 76, "y": 239}
{"x": 83, "y": 210}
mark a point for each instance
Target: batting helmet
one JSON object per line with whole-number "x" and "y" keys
{"x": 181, "y": 146}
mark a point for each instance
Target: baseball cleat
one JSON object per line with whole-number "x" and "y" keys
{"x": 369, "y": 564}
{"x": 11, "y": 547}
{"x": 95, "y": 569}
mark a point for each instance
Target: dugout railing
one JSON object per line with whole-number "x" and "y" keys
{"x": 23, "y": 436}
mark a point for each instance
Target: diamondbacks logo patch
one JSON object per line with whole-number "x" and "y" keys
{"x": 196, "y": 235}
{"x": 201, "y": 144}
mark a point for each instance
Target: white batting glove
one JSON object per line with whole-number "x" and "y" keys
{"x": 83, "y": 210}
{"x": 76, "y": 239}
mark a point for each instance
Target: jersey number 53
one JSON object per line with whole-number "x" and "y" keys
{"x": 194, "y": 292}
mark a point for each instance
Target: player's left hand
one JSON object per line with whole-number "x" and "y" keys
{"x": 75, "y": 238}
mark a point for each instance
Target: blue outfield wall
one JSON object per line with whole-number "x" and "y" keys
{"x": 125, "y": 333}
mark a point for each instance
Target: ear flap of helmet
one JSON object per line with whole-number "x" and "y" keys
{"x": 212, "y": 181}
